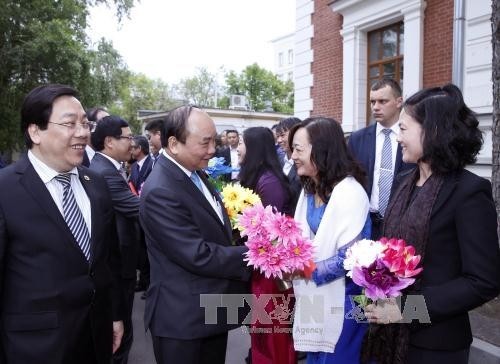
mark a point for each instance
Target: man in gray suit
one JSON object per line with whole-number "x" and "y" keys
{"x": 188, "y": 236}
{"x": 112, "y": 140}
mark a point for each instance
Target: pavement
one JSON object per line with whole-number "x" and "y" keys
{"x": 485, "y": 322}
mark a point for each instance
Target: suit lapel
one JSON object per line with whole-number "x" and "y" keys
{"x": 227, "y": 223}
{"x": 35, "y": 187}
{"x": 449, "y": 185}
{"x": 86, "y": 182}
{"x": 371, "y": 152}
{"x": 185, "y": 184}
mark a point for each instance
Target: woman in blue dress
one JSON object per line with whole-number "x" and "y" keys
{"x": 332, "y": 210}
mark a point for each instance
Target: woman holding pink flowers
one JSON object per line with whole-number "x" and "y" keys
{"x": 447, "y": 213}
{"x": 332, "y": 211}
{"x": 260, "y": 170}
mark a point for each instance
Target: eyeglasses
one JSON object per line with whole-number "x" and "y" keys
{"x": 88, "y": 125}
{"x": 129, "y": 137}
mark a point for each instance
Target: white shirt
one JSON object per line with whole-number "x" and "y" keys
{"x": 90, "y": 152}
{"x": 287, "y": 165}
{"x": 379, "y": 142}
{"x": 208, "y": 195}
{"x": 234, "y": 162}
{"x": 56, "y": 189}
{"x": 141, "y": 162}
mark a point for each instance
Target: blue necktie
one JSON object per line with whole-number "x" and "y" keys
{"x": 386, "y": 173}
{"x": 73, "y": 216}
{"x": 196, "y": 180}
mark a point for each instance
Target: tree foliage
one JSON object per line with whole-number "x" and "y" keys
{"x": 201, "y": 89}
{"x": 44, "y": 41}
{"x": 142, "y": 93}
{"x": 261, "y": 86}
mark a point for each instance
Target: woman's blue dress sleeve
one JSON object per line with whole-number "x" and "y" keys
{"x": 332, "y": 268}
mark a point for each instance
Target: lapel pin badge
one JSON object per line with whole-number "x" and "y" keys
{"x": 86, "y": 178}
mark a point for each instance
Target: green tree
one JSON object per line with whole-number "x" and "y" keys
{"x": 261, "y": 86}
{"x": 44, "y": 41}
{"x": 201, "y": 89}
{"x": 142, "y": 93}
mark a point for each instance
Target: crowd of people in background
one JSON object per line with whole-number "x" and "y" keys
{"x": 92, "y": 214}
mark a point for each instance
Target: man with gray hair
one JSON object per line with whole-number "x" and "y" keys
{"x": 188, "y": 236}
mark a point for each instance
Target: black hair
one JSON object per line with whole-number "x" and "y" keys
{"x": 451, "y": 135}
{"x": 329, "y": 154}
{"x": 232, "y": 131}
{"x": 286, "y": 124}
{"x": 142, "y": 142}
{"x": 108, "y": 126}
{"x": 92, "y": 113}
{"x": 154, "y": 125}
{"x": 37, "y": 107}
{"x": 260, "y": 157}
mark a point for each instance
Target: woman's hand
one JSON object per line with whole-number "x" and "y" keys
{"x": 383, "y": 312}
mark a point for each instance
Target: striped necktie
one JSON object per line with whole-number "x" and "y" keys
{"x": 73, "y": 216}
{"x": 386, "y": 173}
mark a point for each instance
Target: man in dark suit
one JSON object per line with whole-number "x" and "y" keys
{"x": 230, "y": 154}
{"x": 59, "y": 257}
{"x": 289, "y": 168}
{"x": 142, "y": 166}
{"x": 94, "y": 114}
{"x": 112, "y": 139}
{"x": 153, "y": 131}
{"x": 140, "y": 170}
{"x": 369, "y": 145}
{"x": 188, "y": 235}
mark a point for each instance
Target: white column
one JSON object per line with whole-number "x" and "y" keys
{"x": 413, "y": 48}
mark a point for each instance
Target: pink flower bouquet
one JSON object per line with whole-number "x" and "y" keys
{"x": 383, "y": 268}
{"x": 275, "y": 242}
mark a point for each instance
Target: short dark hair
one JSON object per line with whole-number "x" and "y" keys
{"x": 142, "y": 142}
{"x": 286, "y": 124}
{"x": 451, "y": 135}
{"x": 108, "y": 126}
{"x": 154, "y": 125}
{"x": 37, "y": 107}
{"x": 175, "y": 124}
{"x": 232, "y": 131}
{"x": 329, "y": 154}
{"x": 392, "y": 83}
{"x": 93, "y": 111}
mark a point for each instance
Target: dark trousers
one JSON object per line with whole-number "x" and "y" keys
{"x": 207, "y": 350}
{"x": 84, "y": 352}
{"x": 121, "y": 355}
{"x": 424, "y": 356}
{"x": 143, "y": 266}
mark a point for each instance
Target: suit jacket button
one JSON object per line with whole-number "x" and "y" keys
{"x": 92, "y": 274}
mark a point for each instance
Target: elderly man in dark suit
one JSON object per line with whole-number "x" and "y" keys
{"x": 59, "y": 256}
{"x": 376, "y": 148}
{"x": 188, "y": 235}
{"x": 112, "y": 140}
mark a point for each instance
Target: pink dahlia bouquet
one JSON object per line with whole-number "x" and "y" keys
{"x": 275, "y": 242}
{"x": 383, "y": 268}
